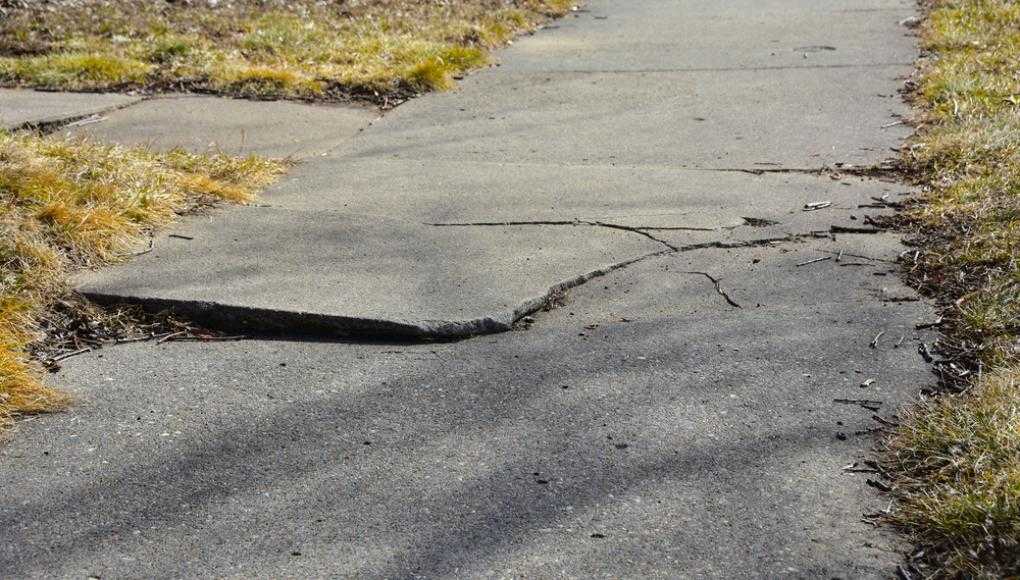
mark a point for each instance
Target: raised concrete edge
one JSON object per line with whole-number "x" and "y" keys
{"x": 255, "y": 321}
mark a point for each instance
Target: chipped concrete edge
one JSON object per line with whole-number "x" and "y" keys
{"x": 56, "y": 122}
{"x": 255, "y": 321}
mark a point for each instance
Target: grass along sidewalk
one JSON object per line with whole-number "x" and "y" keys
{"x": 70, "y": 204}
{"x": 304, "y": 49}
{"x": 955, "y": 459}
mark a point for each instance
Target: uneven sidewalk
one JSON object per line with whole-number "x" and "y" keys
{"x": 694, "y": 394}
{"x": 697, "y": 151}
{"x": 25, "y": 109}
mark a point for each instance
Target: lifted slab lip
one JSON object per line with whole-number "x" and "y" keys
{"x": 257, "y": 321}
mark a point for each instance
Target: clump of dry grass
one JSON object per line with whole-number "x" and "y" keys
{"x": 956, "y": 460}
{"x": 69, "y": 204}
{"x": 958, "y": 474}
{"x": 303, "y": 49}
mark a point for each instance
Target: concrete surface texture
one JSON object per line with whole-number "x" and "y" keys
{"x": 198, "y": 123}
{"x": 21, "y": 108}
{"x": 680, "y": 403}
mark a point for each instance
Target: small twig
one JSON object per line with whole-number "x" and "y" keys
{"x": 875, "y": 465}
{"x": 210, "y": 338}
{"x": 874, "y": 341}
{"x": 817, "y": 205}
{"x": 861, "y": 256}
{"x": 145, "y": 251}
{"x": 885, "y": 422}
{"x": 925, "y": 353}
{"x": 865, "y": 403}
{"x": 852, "y": 230}
{"x": 814, "y": 261}
{"x": 180, "y": 237}
{"x": 130, "y": 340}
{"x": 170, "y": 336}
{"x": 67, "y": 355}
{"x": 878, "y": 485}
{"x": 853, "y": 468}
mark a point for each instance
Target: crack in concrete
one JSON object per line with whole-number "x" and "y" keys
{"x": 577, "y": 222}
{"x": 718, "y": 287}
{"x": 255, "y": 321}
{"x": 884, "y": 170}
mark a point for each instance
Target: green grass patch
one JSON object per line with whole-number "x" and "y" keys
{"x": 299, "y": 49}
{"x": 956, "y": 459}
{"x": 71, "y": 204}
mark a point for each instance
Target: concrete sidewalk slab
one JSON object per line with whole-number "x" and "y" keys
{"x": 676, "y": 417}
{"x": 737, "y": 34}
{"x": 197, "y": 123}
{"x": 645, "y": 429}
{"x": 20, "y": 108}
{"x": 266, "y": 271}
{"x": 792, "y": 118}
{"x": 449, "y": 191}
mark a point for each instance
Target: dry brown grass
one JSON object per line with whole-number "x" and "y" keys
{"x": 69, "y": 204}
{"x": 304, "y": 49}
{"x": 955, "y": 460}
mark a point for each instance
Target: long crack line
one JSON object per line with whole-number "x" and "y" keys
{"x": 286, "y": 323}
{"x": 718, "y": 287}
{"x": 637, "y": 230}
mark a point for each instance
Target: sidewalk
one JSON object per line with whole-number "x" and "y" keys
{"x": 642, "y": 169}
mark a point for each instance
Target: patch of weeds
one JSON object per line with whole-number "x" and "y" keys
{"x": 76, "y": 71}
{"x": 299, "y": 49}
{"x": 955, "y": 459}
{"x": 72, "y": 204}
{"x": 958, "y": 477}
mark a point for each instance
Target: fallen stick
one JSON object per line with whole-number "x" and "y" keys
{"x": 851, "y": 230}
{"x": 814, "y": 261}
{"x": 130, "y": 340}
{"x": 67, "y": 355}
{"x": 210, "y": 338}
{"x": 865, "y": 403}
{"x": 170, "y": 336}
{"x": 874, "y": 341}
